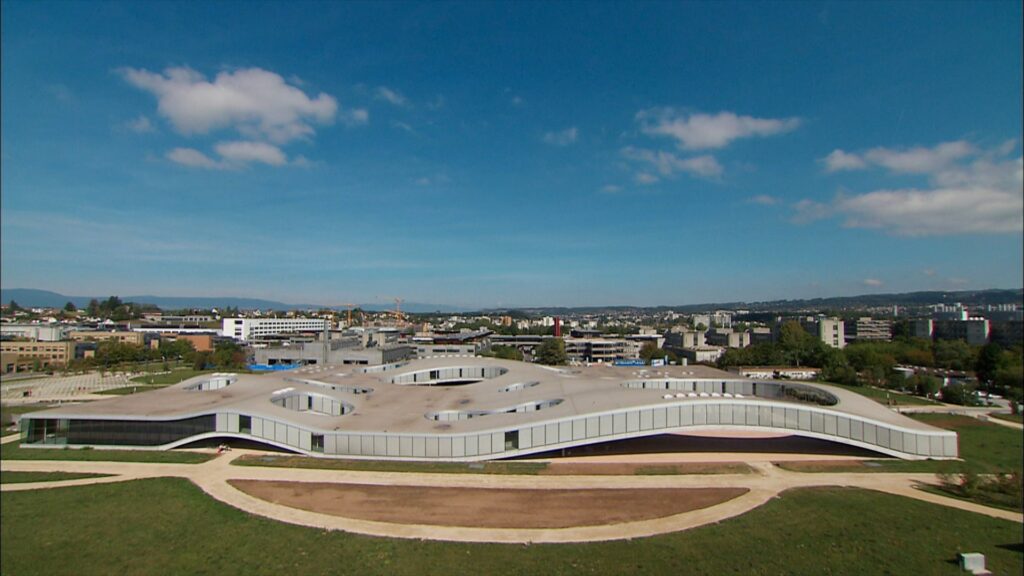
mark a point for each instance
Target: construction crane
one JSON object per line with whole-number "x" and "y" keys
{"x": 349, "y": 306}
{"x": 397, "y": 313}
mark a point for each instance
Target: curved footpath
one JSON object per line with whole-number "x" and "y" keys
{"x": 212, "y": 477}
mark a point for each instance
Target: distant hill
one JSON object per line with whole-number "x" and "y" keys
{"x": 906, "y": 299}
{"x": 46, "y": 299}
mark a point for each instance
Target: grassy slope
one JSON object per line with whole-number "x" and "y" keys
{"x": 11, "y": 451}
{"x": 168, "y": 526}
{"x": 20, "y": 477}
{"x": 882, "y": 396}
{"x": 392, "y": 466}
{"x": 984, "y": 447}
{"x": 7, "y": 411}
{"x": 1018, "y": 418}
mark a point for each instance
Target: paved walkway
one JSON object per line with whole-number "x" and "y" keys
{"x": 62, "y": 388}
{"x": 212, "y": 477}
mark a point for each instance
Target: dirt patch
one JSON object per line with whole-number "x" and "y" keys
{"x": 626, "y": 469}
{"x": 483, "y": 507}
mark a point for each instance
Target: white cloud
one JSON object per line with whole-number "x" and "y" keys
{"x": 707, "y": 131}
{"x": 611, "y": 189}
{"x": 911, "y": 212}
{"x": 839, "y": 160}
{"x": 256, "y": 102}
{"x": 436, "y": 179}
{"x": 919, "y": 160}
{"x": 403, "y": 126}
{"x": 193, "y": 158}
{"x": 763, "y": 200}
{"x": 668, "y": 164}
{"x": 806, "y": 211}
{"x": 236, "y": 155}
{"x": 645, "y": 178}
{"x": 916, "y": 160}
{"x": 391, "y": 96}
{"x": 61, "y": 93}
{"x": 970, "y": 191}
{"x": 872, "y": 282}
{"x": 355, "y": 117}
{"x": 243, "y": 152}
{"x": 562, "y": 137}
{"x": 929, "y": 272}
{"x": 141, "y": 125}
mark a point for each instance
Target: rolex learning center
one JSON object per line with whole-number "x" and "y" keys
{"x": 471, "y": 409}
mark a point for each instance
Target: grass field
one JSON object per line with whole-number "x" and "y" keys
{"x": 156, "y": 381}
{"x": 20, "y": 477}
{"x": 11, "y": 451}
{"x": 168, "y": 526}
{"x": 995, "y": 500}
{"x": 7, "y": 411}
{"x": 493, "y": 467}
{"x": 886, "y": 397}
{"x": 393, "y": 466}
{"x": 1018, "y": 418}
{"x": 984, "y": 448}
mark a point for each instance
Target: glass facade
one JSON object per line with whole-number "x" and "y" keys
{"x": 116, "y": 432}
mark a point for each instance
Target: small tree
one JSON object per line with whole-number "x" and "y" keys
{"x": 989, "y": 360}
{"x": 70, "y": 307}
{"x": 552, "y": 352}
{"x": 957, "y": 393}
{"x": 923, "y": 385}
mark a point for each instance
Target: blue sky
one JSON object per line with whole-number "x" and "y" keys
{"x": 511, "y": 154}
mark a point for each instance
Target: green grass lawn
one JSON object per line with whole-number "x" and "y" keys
{"x": 984, "y": 448}
{"x": 169, "y": 526}
{"x": 494, "y": 467}
{"x": 886, "y": 397}
{"x": 172, "y": 377}
{"x": 11, "y": 451}
{"x": 995, "y": 500}
{"x": 156, "y": 381}
{"x": 20, "y": 477}
{"x": 7, "y": 411}
{"x": 1018, "y": 418}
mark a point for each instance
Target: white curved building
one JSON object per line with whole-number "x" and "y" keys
{"x": 468, "y": 408}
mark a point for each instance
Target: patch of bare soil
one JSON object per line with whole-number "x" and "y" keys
{"x": 484, "y": 507}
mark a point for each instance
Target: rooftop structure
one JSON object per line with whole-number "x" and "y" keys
{"x": 466, "y": 409}
{"x": 246, "y": 329}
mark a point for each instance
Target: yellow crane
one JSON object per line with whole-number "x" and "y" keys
{"x": 398, "y": 312}
{"x": 349, "y": 306}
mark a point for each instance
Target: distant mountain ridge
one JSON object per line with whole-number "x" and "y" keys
{"x": 44, "y": 298}
{"x": 31, "y": 297}
{"x": 903, "y": 299}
